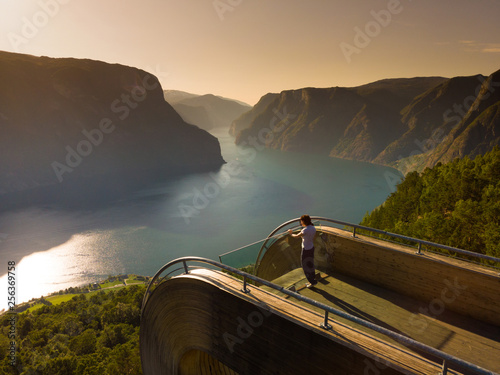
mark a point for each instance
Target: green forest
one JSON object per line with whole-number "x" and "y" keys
{"x": 455, "y": 204}
{"x": 91, "y": 334}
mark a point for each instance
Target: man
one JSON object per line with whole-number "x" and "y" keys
{"x": 307, "y": 234}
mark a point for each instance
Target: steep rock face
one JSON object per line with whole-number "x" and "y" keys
{"x": 368, "y": 133}
{"x": 406, "y": 123}
{"x": 68, "y": 122}
{"x": 477, "y": 124}
{"x": 459, "y": 118}
{"x": 353, "y": 123}
{"x": 196, "y": 115}
{"x": 246, "y": 118}
{"x": 307, "y": 120}
{"x": 429, "y": 118}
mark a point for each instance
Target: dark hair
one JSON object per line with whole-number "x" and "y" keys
{"x": 306, "y": 219}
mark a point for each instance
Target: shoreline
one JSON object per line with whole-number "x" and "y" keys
{"x": 63, "y": 295}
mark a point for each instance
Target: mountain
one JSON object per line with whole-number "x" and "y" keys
{"x": 456, "y": 118}
{"x": 175, "y": 96}
{"x": 354, "y": 123}
{"x": 197, "y": 115}
{"x": 76, "y": 125}
{"x": 246, "y": 118}
{"x": 477, "y": 119}
{"x": 426, "y": 117}
{"x": 206, "y": 111}
{"x": 410, "y": 123}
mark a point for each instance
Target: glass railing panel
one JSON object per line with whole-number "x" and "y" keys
{"x": 243, "y": 257}
{"x": 285, "y": 256}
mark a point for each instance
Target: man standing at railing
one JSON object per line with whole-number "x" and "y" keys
{"x": 307, "y": 234}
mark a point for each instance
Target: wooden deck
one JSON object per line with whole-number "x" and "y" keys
{"x": 276, "y": 335}
{"x": 431, "y": 324}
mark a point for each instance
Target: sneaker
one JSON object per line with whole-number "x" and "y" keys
{"x": 309, "y": 285}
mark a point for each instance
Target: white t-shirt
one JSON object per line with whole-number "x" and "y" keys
{"x": 308, "y": 234}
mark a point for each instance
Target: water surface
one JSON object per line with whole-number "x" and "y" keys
{"x": 203, "y": 215}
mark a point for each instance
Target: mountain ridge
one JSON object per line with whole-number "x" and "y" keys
{"x": 205, "y": 111}
{"x": 79, "y": 124}
{"x": 407, "y": 123}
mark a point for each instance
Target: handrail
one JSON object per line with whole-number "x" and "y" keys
{"x": 379, "y": 231}
{"x": 446, "y": 358}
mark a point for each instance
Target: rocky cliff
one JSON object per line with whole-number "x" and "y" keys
{"x": 246, "y": 118}
{"x": 75, "y": 124}
{"x": 457, "y": 118}
{"x": 407, "y": 123}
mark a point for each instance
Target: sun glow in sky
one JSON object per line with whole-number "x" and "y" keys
{"x": 243, "y": 49}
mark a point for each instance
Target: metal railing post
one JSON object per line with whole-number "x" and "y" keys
{"x": 245, "y": 289}
{"x": 325, "y": 324}
{"x": 185, "y": 267}
{"x": 444, "y": 369}
{"x": 419, "y": 250}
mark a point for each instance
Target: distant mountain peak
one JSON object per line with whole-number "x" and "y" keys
{"x": 205, "y": 111}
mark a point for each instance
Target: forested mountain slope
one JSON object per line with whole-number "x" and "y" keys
{"x": 92, "y": 334}
{"x": 455, "y": 204}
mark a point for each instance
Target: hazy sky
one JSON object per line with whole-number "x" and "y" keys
{"x": 243, "y": 49}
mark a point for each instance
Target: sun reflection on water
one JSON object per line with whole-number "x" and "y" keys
{"x": 84, "y": 258}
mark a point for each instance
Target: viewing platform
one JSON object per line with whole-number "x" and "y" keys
{"x": 379, "y": 307}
